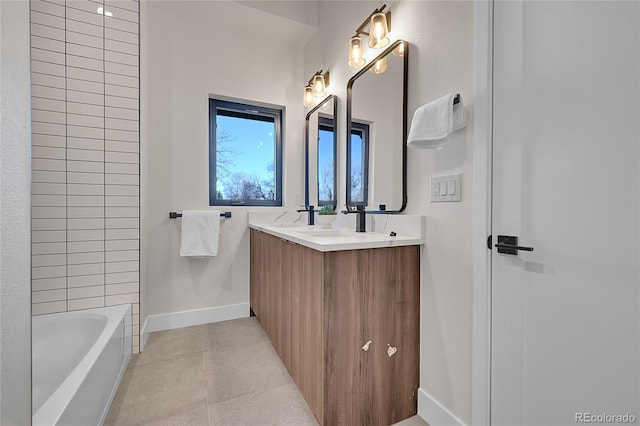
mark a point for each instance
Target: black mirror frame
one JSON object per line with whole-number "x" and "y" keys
{"x": 335, "y": 148}
{"x": 403, "y": 140}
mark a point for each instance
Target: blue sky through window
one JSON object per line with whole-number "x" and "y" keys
{"x": 248, "y": 148}
{"x": 325, "y": 165}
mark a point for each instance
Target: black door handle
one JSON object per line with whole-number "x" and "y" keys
{"x": 508, "y": 244}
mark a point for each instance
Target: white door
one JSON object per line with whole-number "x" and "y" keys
{"x": 565, "y": 316}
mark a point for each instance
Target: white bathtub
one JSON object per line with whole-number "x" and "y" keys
{"x": 78, "y": 361}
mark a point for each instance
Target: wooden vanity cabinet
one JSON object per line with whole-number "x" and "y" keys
{"x": 320, "y": 308}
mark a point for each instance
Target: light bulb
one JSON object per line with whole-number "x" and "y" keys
{"x": 356, "y": 55}
{"x": 378, "y": 33}
{"x": 319, "y": 86}
{"x": 309, "y": 99}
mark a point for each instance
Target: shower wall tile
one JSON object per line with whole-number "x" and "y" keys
{"x": 84, "y": 246}
{"x": 123, "y": 4}
{"x": 118, "y": 245}
{"x": 86, "y": 162}
{"x": 86, "y": 281}
{"x": 49, "y": 284}
{"x": 89, "y": 303}
{"x": 48, "y": 176}
{"x": 86, "y": 292}
{"x": 119, "y": 299}
{"x": 48, "y": 236}
{"x": 48, "y": 224}
{"x": 48, "y": 152}
{"x": 48, "y": 140}
{"x": 122, "y": 201}
{"x": 123, "y": 255}
{"x": 48, "y": 260}
{"x": 80, "y": 258}
{"x": 48, "y": 248}
{"x": 49, "y": 296}
{"x": 48, "y": 308}
{"x": 46, "y": 46}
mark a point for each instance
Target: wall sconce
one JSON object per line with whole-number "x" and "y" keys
{"x": 316, "y": 88}
{"x": 379, "y": 24}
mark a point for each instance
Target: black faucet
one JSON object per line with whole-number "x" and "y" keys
{"x": 311, "y": 215}
{"x": 361, "y": 219}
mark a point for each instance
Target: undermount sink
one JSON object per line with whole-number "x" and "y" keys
{"x": 323, "y": 233}
{"x": 288, "y": 225}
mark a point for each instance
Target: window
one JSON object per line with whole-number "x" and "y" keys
{"x": 326, "y": 162}
{"x": 245, "y": 155}
{"x": 359, "y": 179}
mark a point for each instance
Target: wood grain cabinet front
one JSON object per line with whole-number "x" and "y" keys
{"x": 321, "y": 310}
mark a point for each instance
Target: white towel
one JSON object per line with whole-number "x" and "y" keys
{"x": 432, "y": 123}
{"x": 200, "y": 233}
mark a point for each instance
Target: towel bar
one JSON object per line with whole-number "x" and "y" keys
{"x": 175, "y": 215}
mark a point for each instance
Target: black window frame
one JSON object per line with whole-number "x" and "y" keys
{"x": 328, "y": 125}
{"x": 253, "y": 112}
{"x": 362, "y": 130}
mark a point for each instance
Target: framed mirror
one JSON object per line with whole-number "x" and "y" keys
{"x": 321, "y": 154}
{"x": 376, "y": 172}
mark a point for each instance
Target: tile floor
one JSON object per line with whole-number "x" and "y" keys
{"x": 225, "y": 373}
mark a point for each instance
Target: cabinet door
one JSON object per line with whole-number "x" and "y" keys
{"x": 344, "y": 393}
{"x": 391, "y": 318}
{"x": 371, "y": 295}
{"x": 256, "y": 272}
{"x": 280, "y": 297}
{"x": 306, "y": 325}
{"x": 269, "y": 257}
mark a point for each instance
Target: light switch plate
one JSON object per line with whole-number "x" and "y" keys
{"x": 450, "y": 182}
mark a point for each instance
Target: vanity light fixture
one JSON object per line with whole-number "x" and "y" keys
{"x": 379, "y": 24}
{"x": 316, "y": 88}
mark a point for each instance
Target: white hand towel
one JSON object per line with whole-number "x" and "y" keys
{"x": 432, "y": 123}
{"x": 200, "y": 233}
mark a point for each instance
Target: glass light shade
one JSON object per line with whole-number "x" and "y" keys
{"x": 379, "y": 67}
{"x": 356, "y": 54}
{"x": 309, "y": 99}
{"x": 399, "y": 51}
{"x": 319, "y": 86}
{"x": 378, "y": 31}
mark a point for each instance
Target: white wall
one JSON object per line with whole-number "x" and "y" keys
{"x": 440, "y": 35}
{"x": 189, "y": 51}
{"x": 15, "y": 215}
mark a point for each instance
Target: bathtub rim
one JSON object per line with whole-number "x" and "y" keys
{"x": 53, "y": 408}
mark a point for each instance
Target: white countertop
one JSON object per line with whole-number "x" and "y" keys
{"x": 320, "y": 239}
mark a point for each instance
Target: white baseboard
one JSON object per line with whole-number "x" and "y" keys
{"x": 435, "y": 413}
{"x": 173, "y": 320}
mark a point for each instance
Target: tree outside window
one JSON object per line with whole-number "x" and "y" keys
{"x": 245, "y": 157}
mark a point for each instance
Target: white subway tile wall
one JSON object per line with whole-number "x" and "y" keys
{"x": 86, "y": 162}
